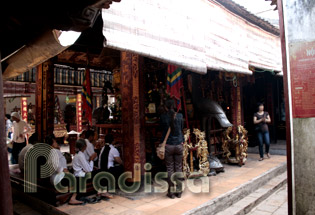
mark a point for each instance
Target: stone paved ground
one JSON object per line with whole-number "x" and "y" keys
{"x": 279, "y": 148}
{"x": 156, "y": 204}
{"x": 276, "y": 204}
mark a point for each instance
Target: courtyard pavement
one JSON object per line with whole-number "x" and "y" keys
{"x": 156, "y": 204}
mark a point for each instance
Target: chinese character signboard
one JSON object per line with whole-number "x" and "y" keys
{"x": 79, "y": 113}
{"x": 24, "y": 108}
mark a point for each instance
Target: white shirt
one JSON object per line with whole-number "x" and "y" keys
{"x": 19, "y": 128}
{"x": 8, "y": 125}
{"x": 89, "y": 150}
{"x": 81, "y": 165}
{"x": 62, "y": 161}
{"x": 113, "y": 153}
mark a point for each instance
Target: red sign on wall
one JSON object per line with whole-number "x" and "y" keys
{"x": 24, "y": 108}
{"x": 79, "y": 113}
{"x": 302, "y": 63}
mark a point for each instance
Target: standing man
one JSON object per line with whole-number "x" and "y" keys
{"x": 20, "y": 129}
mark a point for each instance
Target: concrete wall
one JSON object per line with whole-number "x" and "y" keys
{"x": 299, "y": 16}
{"x": 304, "y": 165}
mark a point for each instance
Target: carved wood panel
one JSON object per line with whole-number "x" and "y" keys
{"x": 132, "y": 95}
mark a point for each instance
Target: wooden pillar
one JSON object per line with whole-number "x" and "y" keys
{"x": 4, "y": 106}
{"x": 132, "y": 96}
{"x": 269, "y": 107}
{"x": 236, "y": 104}
{"x": 45, "y": 101}
{"x": 6, "y": 207}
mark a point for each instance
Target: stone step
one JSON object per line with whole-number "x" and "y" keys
{"x": 20, "y": 208}
{"x": 246, "y": 204}
{"x": 25, "y": 204}
{"x": 259, "y": 184}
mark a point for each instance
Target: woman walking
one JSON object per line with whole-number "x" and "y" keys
{"x": 261, "y": 118}
{"x": 174, "y": 145}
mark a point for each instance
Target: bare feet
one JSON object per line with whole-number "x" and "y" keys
{"x": 268, "y": 155}
{"x": 74, "y": 201}
{"x": 107, "y": 195}
{"x": 260, "y": 159}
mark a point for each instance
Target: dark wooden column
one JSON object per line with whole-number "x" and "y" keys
{"x": 6, "y": 207}
{"x": 132, "y": 96}
{"x": 45, "y": 101}
{"x": 287, "y": 108}
{"x": 269, "y": 107}
{"x": 236, "y": 104}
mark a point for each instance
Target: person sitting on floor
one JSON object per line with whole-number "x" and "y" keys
{"x": 82, "y": 134}
{"x": 62, "y": 164}
{"x": 89, "y": 152}
{"x": 109, "y": 155}
{"x": 32, "y": 140}
{"x": 51, "y": 140}
{"x": 68, "y": 157}
{"x": 81, "y": 166}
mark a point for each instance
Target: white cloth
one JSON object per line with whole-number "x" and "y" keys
{"x": 113, "y": 153}
{"x": 8, "y": 125}
{"x": 81, "y": 165}
{"x": 16, "y": 115}
{"x": 19, "y": 128}
{"x": 62, "y": 164}
{"x": 62, "y": 161}
{"x": 89, "y": 150}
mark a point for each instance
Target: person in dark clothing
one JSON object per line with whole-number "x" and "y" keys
{"x": 109, "y": 159}
{"x": 261, "y": 118}
{"x": 174, "y": 145}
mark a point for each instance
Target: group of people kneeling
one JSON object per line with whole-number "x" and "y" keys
{"x": 86, "y": 160}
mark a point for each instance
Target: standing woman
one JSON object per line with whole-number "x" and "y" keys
{"x": 261, "y": 118}
{"x": 174, "y": 144}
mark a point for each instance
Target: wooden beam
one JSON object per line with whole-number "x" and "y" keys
{"x": 132, "y": 96}
{"x": 43, "y": 48}
{"x": 6, "y": 207}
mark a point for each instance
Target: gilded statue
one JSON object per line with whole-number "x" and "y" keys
{"x": 235, "y": 149}
{"x": 202, "y": 152}
{"x": 187, "y": 147}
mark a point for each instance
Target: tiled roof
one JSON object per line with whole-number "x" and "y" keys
{"x": 242, "y": 12}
